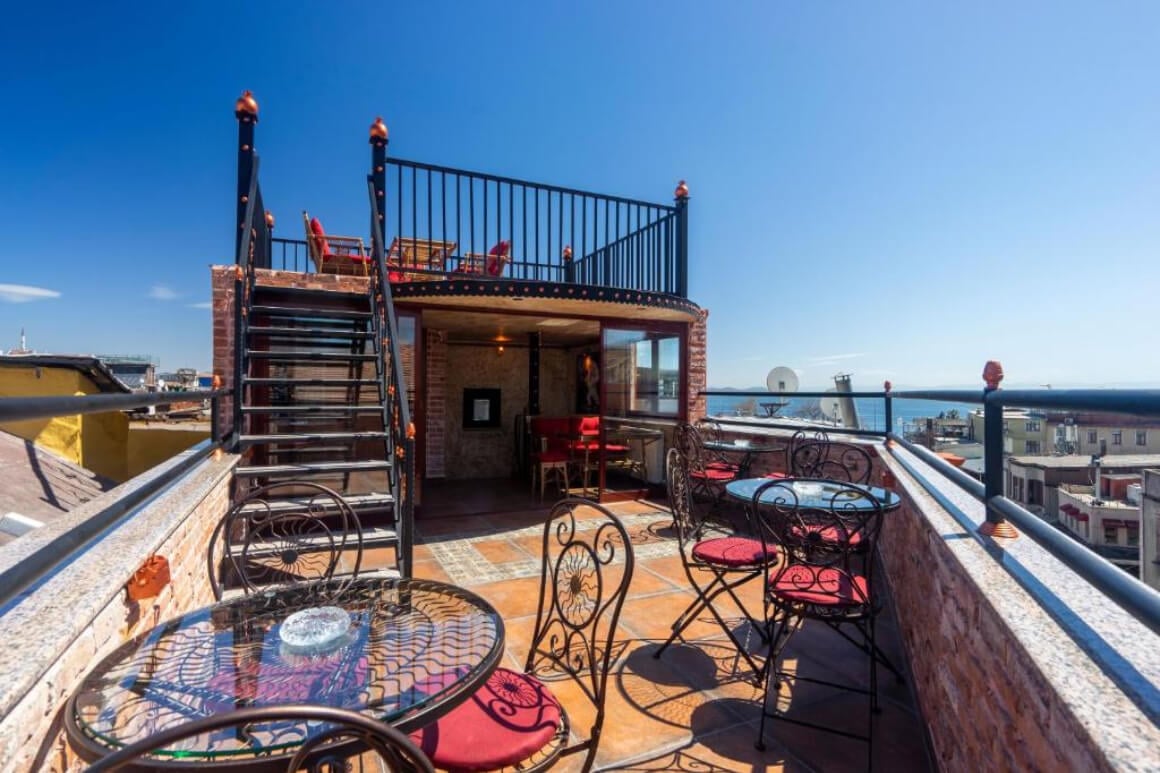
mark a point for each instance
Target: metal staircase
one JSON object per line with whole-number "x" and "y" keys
{"x": 320, "y": 397}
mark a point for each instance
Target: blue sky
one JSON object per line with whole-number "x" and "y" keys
{"x": 898, "y": 190}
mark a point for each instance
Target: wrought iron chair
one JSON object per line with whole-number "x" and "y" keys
{"x": 837, "y": 461}
{"x": 514, "y": 720}
{"x": 329, "y": 738}
{"x": 709, "y": 472}
{"x": 715, "y": 561}
{"x": 286, "y": 532}
{"x": 824, "y": 537}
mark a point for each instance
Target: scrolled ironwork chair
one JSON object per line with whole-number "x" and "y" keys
{"x": 836, "y": 461}
{"x": 825, "y": 530}
{"x": 286, "y": 532}
{"x": 328, "y": 738}
{"x": 514, "y": 720}
{"x": 716, "y": 561}
{"x": 709, "y": 472}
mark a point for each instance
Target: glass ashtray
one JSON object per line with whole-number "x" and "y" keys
{"x": 808, "y": 489}
{"x": 315, "y": 631}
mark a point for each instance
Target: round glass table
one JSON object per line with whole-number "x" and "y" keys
{"x": 402, "y": 651}
{"x": 748, "y": 450}
{"x": 811, "y": 493}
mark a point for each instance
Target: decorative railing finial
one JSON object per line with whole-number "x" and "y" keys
{"x": 567, "y": 253}
{"x": 379, "y": 129}
{"x": 992, "y": 374}
{"x": 270, "y": 220}
{"x": 886, "y": 385}
{"x": 682, "y": 191}
{"x": 246, "y": 106}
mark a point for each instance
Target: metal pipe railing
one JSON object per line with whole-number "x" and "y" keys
{"x": 1004, "y": 516}
{"x": 16, "y": 581}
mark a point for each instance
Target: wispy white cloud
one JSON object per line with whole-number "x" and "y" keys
{"x": 25, "y": 294}
{"x": 835, "y": 357}
{"x": 161, "y": 293}
{"x": 202, "y": 305}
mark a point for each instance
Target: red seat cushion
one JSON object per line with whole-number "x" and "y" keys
{"x": 724, "y": 466}
{"x": 713, "y": 474}
{"x": 317, "y": 230}
{"x": 732, "y": 551}
{"x": 820, "y": 533}
{"x": 507, "y": 720}
{"x": 819, "y": 585}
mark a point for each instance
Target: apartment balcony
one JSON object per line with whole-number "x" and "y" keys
{"x": 1013, "y": 660}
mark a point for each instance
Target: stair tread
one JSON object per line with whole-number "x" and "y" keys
{"x": 309, "y": 332}
{"x": 307, "y": 292}
{"x": 354, "y": 500}
{"x": 311, "y": 381}
{"x": 337, "y": 408}
{"x": 307, "y": 312}
{"x": 315, "y": 467}
{"x": 266, "y": 354}
{"x": 313, "y": 436}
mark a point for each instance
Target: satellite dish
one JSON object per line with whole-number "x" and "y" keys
{"x": 781, "y": 379}
{"x": 831, "y": 407}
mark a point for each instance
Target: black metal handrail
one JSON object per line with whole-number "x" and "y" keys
{"x": 449, "y": 220}
{"x": 290, "y": 255}
{"x": 1135, "y": 597}
{"x": 19, "y": 580}
{"x": 396, "y": 412}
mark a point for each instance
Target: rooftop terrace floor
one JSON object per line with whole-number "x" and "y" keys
{"x": 696, "y": 708}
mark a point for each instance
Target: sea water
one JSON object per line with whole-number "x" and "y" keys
{"x": 871, "y": 411}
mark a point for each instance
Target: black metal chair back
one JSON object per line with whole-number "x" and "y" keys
{"x": 836, "y": 461}
{"x": 327, "y": 738}
{"x": 827, "y": 532}
{"x": 680, "y": 496}
{"x": 587, "y": 566}
{"x": 286, "y": 532}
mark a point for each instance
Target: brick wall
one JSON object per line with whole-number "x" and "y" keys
{"x": 31, "y": 734}
{"x": 986, "y": 702}
{"x": 435, "y": 345}
{"x": 484, "y": 453}
{"x": 698, "y": 365}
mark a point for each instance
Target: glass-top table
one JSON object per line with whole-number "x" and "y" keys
{"x": 402, "y": 651}
{"x": 812, "y": 493}
{"x": 747, "y": 448}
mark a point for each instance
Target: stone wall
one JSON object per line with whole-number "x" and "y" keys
{"x": 82, "y": 612}
{"x": 985, "y": 694}
{"x": 484, "y": 452}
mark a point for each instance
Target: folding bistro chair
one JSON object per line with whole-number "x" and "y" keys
{"x": 709, "y": 472}
{"x": 715, "y": 561}
{"x": 826, "y": 532}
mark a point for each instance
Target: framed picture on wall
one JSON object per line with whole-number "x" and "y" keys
{"x": 481, "y": 408}
{"x": 588, "y": 382}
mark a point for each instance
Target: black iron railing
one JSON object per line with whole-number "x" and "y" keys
{"x": 290, "y": 255}
{"x": 396, "y": 412}
{"x": 450, "y": 221}
{"x": 253, "y": 253}
{"x": 19, "y": 580}
{"x": 1140, "y": 600}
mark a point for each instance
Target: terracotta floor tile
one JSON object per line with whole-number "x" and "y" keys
{"x": 430, "y": 569}
{"x": 502, "y": 551}
{"x": 696, "y": 707}
{"x": 511, "y": 598}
